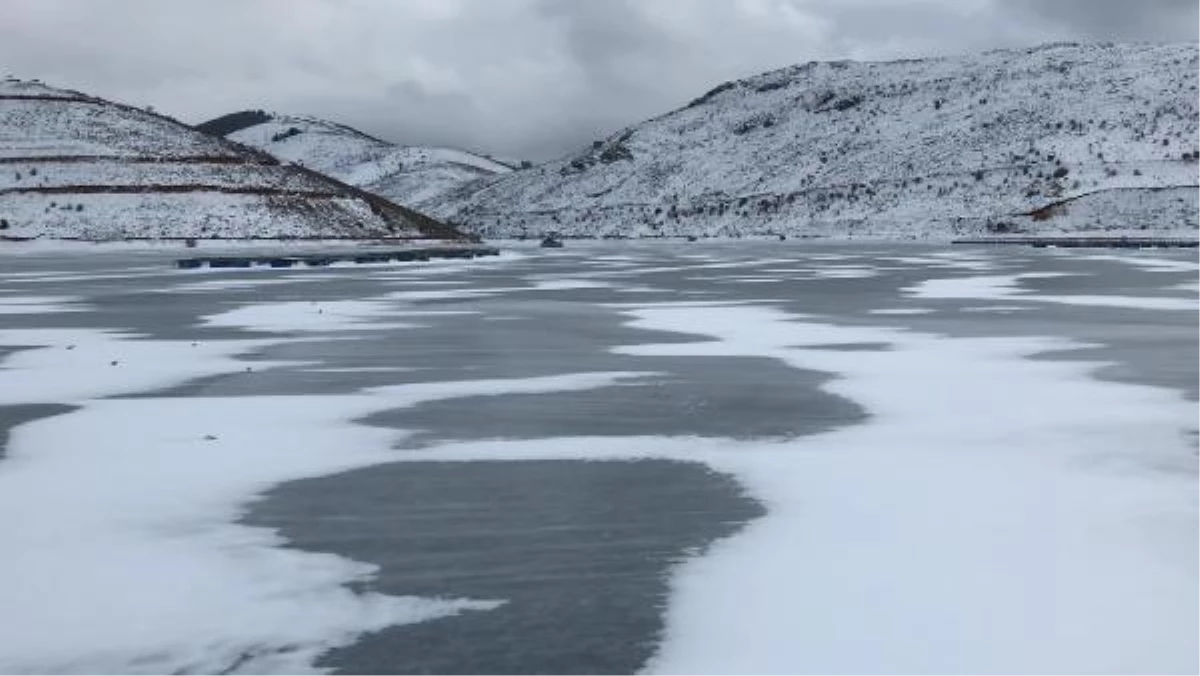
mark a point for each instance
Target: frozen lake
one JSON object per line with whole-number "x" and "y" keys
{"x": 758, "y": 457}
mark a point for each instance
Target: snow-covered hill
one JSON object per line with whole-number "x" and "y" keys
{"x": 1057, "y": 138}
{"x": 76, "y": 166}
{"x": 409, "y": 175}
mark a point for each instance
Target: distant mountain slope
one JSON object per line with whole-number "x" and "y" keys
{"x": 77, "y": 166}
{"x": 409, "y": 175}
{"x": 1056, "y": 138}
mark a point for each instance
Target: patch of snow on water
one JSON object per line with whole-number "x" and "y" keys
{"x": 1148, "y": 263}
{"x": 452, "y": 294}
{"x": 962, "y": 262}
{"x": 902, "y": 311}
{"x": 441, "y": 266}
{"x": 89, "y": 277}
{"x": 996, "y": 308}
{"x": 737, "y": 280}
{"x": 364, "y": 369}
{"x": 25, "y": 305}
{"x": 844, "y": 272}
{"x": 126, "y": 557}
{"x": 293, "y": 316}
{"x": 235, "y": 284}
{"x": 1007, "y": 287}
{"x": 567, "y": 284}
{"x": 70, "y": 365}
{"x": 997, "y": 514}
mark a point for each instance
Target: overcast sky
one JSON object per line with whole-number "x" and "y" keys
{"x": 523, "y": 78}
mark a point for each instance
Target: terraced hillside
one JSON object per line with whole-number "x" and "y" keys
{"x": 74, "y": 166}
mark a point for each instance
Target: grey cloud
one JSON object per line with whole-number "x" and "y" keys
{"x": 1149, "y": 20}
{"x": 523, "y": 78}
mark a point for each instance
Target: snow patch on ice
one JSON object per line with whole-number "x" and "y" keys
{"x": 844, "y": 273}
{"x": 961, "y": 262}
{"x": 566, "y": 284}
{"x": 126, "y": 558}
{"x": 211, "y": 285}
{"x": 1007, "y": 287}
{"x": 902, "y": 311}
{"x": 310, "y": 316}
{"x": 1155, "y": 264}
{"x": 997, "y": 308}
{"x": 72, "y": 365}
{"x": 451, "y": 294}
{"x": 1011, "y": 515}
{"x": 22, "y": 305}
{"x": 364, "y": 369}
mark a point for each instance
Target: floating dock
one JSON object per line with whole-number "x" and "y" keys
{"x": 323, "y": 259}
{"x": 1086, "y": 242}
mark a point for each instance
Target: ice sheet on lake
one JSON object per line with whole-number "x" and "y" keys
{"x": 1007, "y": 515}
{"x": 996, "y": 513}
{"x": 126, "y": 558}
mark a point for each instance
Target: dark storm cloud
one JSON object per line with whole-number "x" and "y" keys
{"x": 524, "y": 78}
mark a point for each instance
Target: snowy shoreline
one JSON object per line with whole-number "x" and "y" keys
{"x": 208, "y": 245}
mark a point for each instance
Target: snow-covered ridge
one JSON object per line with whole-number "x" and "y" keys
{"x": 1051, "y": 139}
{"x": 409, "y": 175}
{"x": 12, "y": 87}
{"x": 74, "y": 166}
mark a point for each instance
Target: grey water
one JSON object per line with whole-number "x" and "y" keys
{"x": 581, "y": 552}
